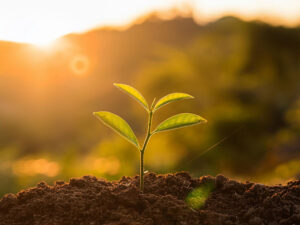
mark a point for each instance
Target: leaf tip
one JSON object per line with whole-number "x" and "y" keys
{"x": 188, "y": 96}
{"x": 202, "y": 120}
{"x": 116, "y": 84}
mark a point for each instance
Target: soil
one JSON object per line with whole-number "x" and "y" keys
{"x": 92, "y": 201}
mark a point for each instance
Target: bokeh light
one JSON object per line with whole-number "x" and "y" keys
{"x": 197, "y": 197}
{"x": 33, "y": 167}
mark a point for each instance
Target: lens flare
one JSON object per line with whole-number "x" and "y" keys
{"x": 197, "y": 197}
{"x": 79, "y": 65}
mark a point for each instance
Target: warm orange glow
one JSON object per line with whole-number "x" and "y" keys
{"x": 103, "y": 165}
{"x": 32, "y": 167}
{"x": 40, "y": 22}
{"x": 79, "y": 64}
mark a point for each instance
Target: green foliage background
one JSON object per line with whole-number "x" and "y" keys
{"x": 245, "y": 77}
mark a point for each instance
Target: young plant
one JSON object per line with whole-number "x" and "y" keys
{"x": 120, "y": 126}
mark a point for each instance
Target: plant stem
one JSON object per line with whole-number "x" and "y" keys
{"x": 141, "y": 171}
{"x": 143, "y": 150}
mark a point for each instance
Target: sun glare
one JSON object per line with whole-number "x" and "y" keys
{"x": 40, "y": 22}
{"x": 43, "y": 43}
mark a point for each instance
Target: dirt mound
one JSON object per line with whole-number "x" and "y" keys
{"x": 175, "y": 199}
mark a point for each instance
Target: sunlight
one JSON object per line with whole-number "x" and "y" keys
{"x": 43, "y": 44}
{"x": 40, "y": 22}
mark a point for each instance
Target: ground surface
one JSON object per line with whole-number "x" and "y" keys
{"x": 90, "y": 201}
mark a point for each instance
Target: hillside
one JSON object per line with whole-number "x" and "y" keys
{"x": 243, "y": 75}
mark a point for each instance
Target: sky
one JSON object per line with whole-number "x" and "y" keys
{"x": 42, "y": 21}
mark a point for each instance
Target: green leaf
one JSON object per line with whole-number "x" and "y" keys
{"x": 180, "y": 120}
{"x": 117, "y": 124}
{"x": 171, "y": 98}
{"x": 132, "y": 92}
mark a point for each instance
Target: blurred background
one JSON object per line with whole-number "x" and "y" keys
{"x": 58, "y": 61}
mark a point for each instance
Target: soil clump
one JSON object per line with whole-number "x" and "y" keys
{"x": 172, "y": 199}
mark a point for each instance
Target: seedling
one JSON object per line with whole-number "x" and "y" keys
{"x": 120, "y": 126}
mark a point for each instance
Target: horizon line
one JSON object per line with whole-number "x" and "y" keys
{"x": 156, "y": 15}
